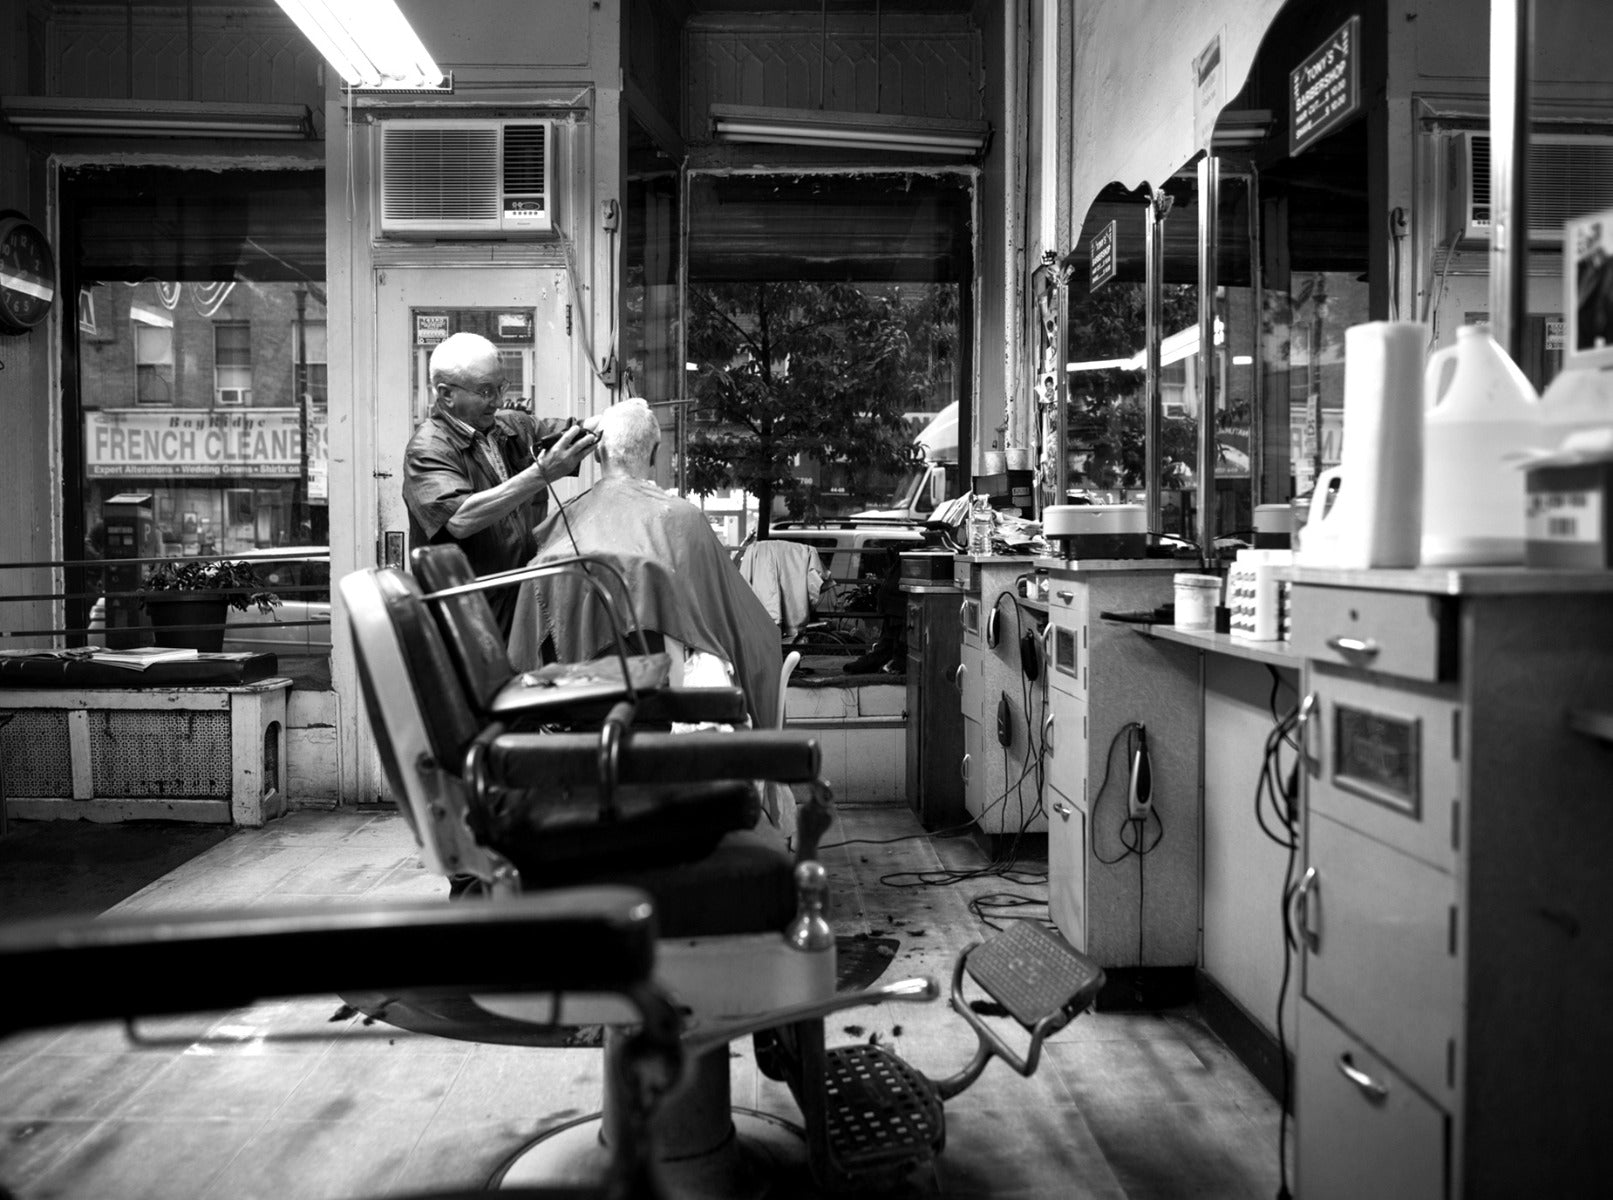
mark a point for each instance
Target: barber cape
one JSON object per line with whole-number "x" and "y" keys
{"x": 679, "y": 576}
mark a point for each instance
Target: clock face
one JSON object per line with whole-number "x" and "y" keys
{"x": 27, "y": 276}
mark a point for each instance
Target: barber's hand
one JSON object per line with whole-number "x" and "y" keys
{"x": 562, "y": 458}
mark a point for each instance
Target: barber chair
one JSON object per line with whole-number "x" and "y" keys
{"x": 598, "y": 941}
{"x": 746, "y": 948}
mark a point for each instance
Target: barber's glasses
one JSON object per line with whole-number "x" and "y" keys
{"x": 487, "y": 391}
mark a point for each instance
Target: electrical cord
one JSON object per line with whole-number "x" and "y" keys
{"x": 1280, "y": 788}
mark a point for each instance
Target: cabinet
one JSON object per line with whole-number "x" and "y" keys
{"x": 1102, "y": 676}
{"x": 1456, "y": 910}
{"x": 934, "y": 715}
{"x": 1002, "y": 710}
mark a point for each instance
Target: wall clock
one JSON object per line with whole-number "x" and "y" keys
{"x": 27, "y": 274}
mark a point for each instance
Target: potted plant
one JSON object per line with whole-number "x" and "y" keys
{"x": 192, "y": 592}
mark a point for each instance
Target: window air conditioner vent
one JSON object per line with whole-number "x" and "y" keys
{"x": 1570, "y": 175}
{"x": 466, "y": 178}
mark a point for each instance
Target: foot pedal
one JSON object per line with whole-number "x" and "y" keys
{"x": 1035, "y": 974}
{"x": 884, "y": 1118}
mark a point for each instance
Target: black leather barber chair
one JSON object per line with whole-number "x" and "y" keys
{"x": 746, "y": 948}
{"x": 596, "y": 940}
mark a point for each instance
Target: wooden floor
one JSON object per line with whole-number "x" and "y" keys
{"x": 1124, "y": 1105}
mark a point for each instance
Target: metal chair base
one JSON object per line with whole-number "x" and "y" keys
{"x": 765, "y": 1156}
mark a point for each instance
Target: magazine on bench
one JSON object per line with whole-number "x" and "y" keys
{"x": 140, "y": 657}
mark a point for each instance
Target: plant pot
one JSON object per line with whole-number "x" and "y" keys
{"x": 169, "y": 609}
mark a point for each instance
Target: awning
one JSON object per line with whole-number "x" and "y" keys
{"x": 1136, "y": 75}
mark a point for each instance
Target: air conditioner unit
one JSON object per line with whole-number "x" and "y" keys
{"x": 234, "y": 396}
{"x": 468, "y": 178}
{"x": 1569, "y": 175}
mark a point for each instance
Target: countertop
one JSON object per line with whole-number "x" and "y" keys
{"x": 1454, "y": 581}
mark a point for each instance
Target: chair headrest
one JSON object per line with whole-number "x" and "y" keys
{"x": 470, "y": 631}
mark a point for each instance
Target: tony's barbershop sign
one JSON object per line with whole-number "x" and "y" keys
{"x": 1324, "y": 91}
{"x": 145, "y": 442}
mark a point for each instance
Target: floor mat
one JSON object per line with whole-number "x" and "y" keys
{"x": 83, "y": 868}
{"x": 859, "y": 962}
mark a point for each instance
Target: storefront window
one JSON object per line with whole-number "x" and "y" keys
{"x": 652, "y": 359}
{"x": 199, "y": 371}
{"x": 827, "y": 329}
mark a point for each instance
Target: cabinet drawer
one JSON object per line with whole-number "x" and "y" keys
{"x": 970, "y": 679}
{"x": 1067, "y": 867}
{"x": 1362, "y": 1130}
{"x": 1380, "y": 936}
{"x": 1397, "y": 633}
{"x": 1385, "y": 762}
{"x": 1064, "y": 740}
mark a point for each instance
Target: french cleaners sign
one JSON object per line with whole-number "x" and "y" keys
{"x": 164, "y": 442}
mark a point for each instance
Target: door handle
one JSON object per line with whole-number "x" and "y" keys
{"x": 957, "y": 676}
{"x": 1370, "y": 1087}
{"x": 1302, "y": 906}
{"x": 1047, "y": 733}
{"x": 1358, "y": 652}
{"x": 1067, "y": 597}
{"x": 1063, "y": 810}
{"x": 963, "y": 769}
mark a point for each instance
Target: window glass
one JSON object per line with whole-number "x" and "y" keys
{"x": 200, "y": 378}
{"x": 827, "y": 328}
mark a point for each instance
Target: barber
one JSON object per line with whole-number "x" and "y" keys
{"x": 476, "y": 474}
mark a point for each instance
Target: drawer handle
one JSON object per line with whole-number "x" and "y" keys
{"x": 963, "y": 768}
{"x": 1302, "y": 733}
{"x": 1062, "y": 810}
{"x": 1067, "y": 597}
{"x": 957, "y": 676}
{"x": 1302, "y": 906}
{"x": 1357, "y": 651}
{"x": 1047, "y": 734}
{"x": 1370, "y": 1087}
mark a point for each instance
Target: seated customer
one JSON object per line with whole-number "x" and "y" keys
{"x": 681, "y": 581}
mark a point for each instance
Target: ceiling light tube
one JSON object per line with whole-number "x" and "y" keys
{"x": 851, "y": 130}
{"x": 369, "y": 43}
{"x": 75, "y": 116}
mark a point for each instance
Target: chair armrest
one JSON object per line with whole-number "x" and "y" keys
{"x": 553, "y": 760}
{"x": 580, "y": 939}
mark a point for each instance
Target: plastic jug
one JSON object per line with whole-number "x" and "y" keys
{"x": 1480, "y": 409}
{"x": 1366, "y": 512}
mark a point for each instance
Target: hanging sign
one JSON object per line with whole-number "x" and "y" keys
{"x": 1102, "y": 257}
{"x": 1209, "y": 90}
{"x": 1324, "y": 91}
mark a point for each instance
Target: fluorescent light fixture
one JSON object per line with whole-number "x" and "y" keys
{"x": 1243, "y": 360}
{"x": 1184, "y": 343}
{"x": 848, "y": 130}
{"x": 166, "y": 118}
{"x": 369, "y": 43}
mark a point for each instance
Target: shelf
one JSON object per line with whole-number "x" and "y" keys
{"x": 1279, "y": 654}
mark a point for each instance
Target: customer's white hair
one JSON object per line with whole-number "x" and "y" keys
{"x": 629, "y": 433}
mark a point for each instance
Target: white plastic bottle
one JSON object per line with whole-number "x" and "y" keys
{"x": 1480, "y": 408}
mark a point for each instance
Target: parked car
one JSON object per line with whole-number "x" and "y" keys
{"x": 300, "y": 576}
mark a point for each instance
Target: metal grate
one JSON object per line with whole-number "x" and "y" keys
{"x": 883, "y": 1116}
{"x": 37, "y": 755}
{"x": 141, "y": 754}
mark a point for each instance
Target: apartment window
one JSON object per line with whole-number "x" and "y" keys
{"x": 309, "y": 369}
{"x": 232, "y": 362}
{"x": 153, "y": 362}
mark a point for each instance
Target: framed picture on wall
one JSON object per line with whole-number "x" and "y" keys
{"x": 1588, "y": 289}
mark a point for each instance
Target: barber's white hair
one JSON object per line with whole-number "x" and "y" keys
{"x": 628, "y": 432}
{"x": 460, "y": 354}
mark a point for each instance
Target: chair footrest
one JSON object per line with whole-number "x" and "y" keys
{"x": 1035, "y": 974}
{"x": 883, "y": 1116}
